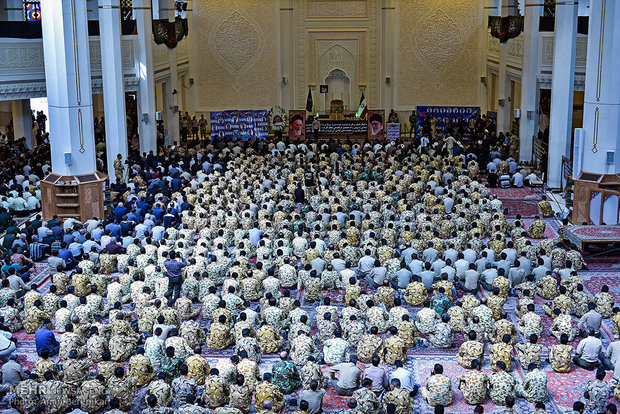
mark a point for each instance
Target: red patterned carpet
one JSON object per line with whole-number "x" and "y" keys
{"x": 514, "y": 193}
{"x": 564, "y": 389}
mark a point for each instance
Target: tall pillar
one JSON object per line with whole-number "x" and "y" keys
{"x": 147, "y": 126}
{"x": 113, "y": 89}
{"x": 388, "y": 38}
{"x": 562, "y": 89}
{"x": 22, "y": 121}
{"x": 69, "y": 94}
{"x": 602, "y": 94}
{"x": 171, "y": 99}
{"x": 171, "y": 90}
{"x": 503, "y": 112}
{"x": 528, "y": 123}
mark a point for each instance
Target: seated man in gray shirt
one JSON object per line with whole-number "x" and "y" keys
{"x": 469, "y": 282}
{"x": 610, "y": 358}
{"x": 588, "y": 351}
{"x": 402, "y": 277}
{"x": 591, "y": 320}
{"x": 12, "y": 373}
{"x": 377, "y": 275}
{"x": 348, "y": 377}
{"x": 313, "y": 397}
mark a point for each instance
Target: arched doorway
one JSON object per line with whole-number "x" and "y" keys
{"x": 339, "y": 87}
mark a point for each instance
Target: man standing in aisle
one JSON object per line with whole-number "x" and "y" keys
{"x": 413, "y": 120}
{"x": 174, "y": 268}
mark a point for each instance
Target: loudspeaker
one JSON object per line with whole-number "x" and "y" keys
{"x": 145, "y": 118}
{"x": 158, "y": 116}
{"x": 175, "y": 109}
{"x": 284, "y": 80}
{"x": 610, "y": 157}
{"x": 500, "y": 102}
{"x": 67, "y": 158}
{"x": 388, "y": 80}
{"x": 517, "y": 113}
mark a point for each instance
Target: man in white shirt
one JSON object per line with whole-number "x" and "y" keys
{"x": 406, "y": 377}
{"x": 491, "y": 166}
{"x": 517, "y": 179}
{"x": 365, "y": 264}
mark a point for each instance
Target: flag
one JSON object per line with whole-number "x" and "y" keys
{"x": 361, "y": 112}
{"x": 309, "y": 104}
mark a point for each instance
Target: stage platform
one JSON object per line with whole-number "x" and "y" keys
{"x": 584, "y": 235}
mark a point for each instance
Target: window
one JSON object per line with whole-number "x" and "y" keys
{"x": 32, "y": 10}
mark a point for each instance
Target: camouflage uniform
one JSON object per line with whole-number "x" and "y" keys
{"x": 473, "y": 385}
{"x": 501, "y": 385}
{"x": 367, "y": 402}
{"x": 124, "y": 389}
{"x": 141, "y": 369}
{"x": 469, "y": 351}
{"x": 92, "y": 396}
{"x": 560, "y": 357}
{"x": 400, "y": 398}
{"x": 267, "y": 391}
{"x": 368, "y": 346}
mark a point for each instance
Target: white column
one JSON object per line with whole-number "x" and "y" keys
{"x": 562, "y": 89}
{"x": 171, "y": 99}
{"x": 113, "y": 90}
{"x": 147, "y": 126}
{"x": 22, "y": 121}
{"x": 528, "y": 124}
{"x": 171, "y": 90}
{"x": 602, "y": 92}
{"x": 287, "y": 55}
{"x": 503, "y": 83}
{"x": 388, "y": 38}
{"x": 67, "y": 78}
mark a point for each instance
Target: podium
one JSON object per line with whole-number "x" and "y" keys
{"x": 595, "y": 199}
{"x": 73, "y": 196}
{"x": 336, "y": 110}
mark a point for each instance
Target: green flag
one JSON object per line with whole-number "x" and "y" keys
{"x": 309, "y": 104}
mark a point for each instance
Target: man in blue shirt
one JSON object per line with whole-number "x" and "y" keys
{"x": 115, "y": 230}
{"x": 169, "y": 219}
{"x": 65, "y": 254}
{"x": 119, "y": 212}
{"x": 174, "y": 268}
{"x": 97, "y": 233}
{"x": 44, "y": 339}
{"x": 255, "y": 234}
{"x": 158, "y": 212}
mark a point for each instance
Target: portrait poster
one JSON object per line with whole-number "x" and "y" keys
{"x": 246, "y": 125}
{"x": 261, "y": 126}
{"x": 297, "y": 124}
{"x": 231, "y": 125}
{"x": 218, "y": 127}
{"x": 376, "y": 118}
{"x": 441, "y": 116}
